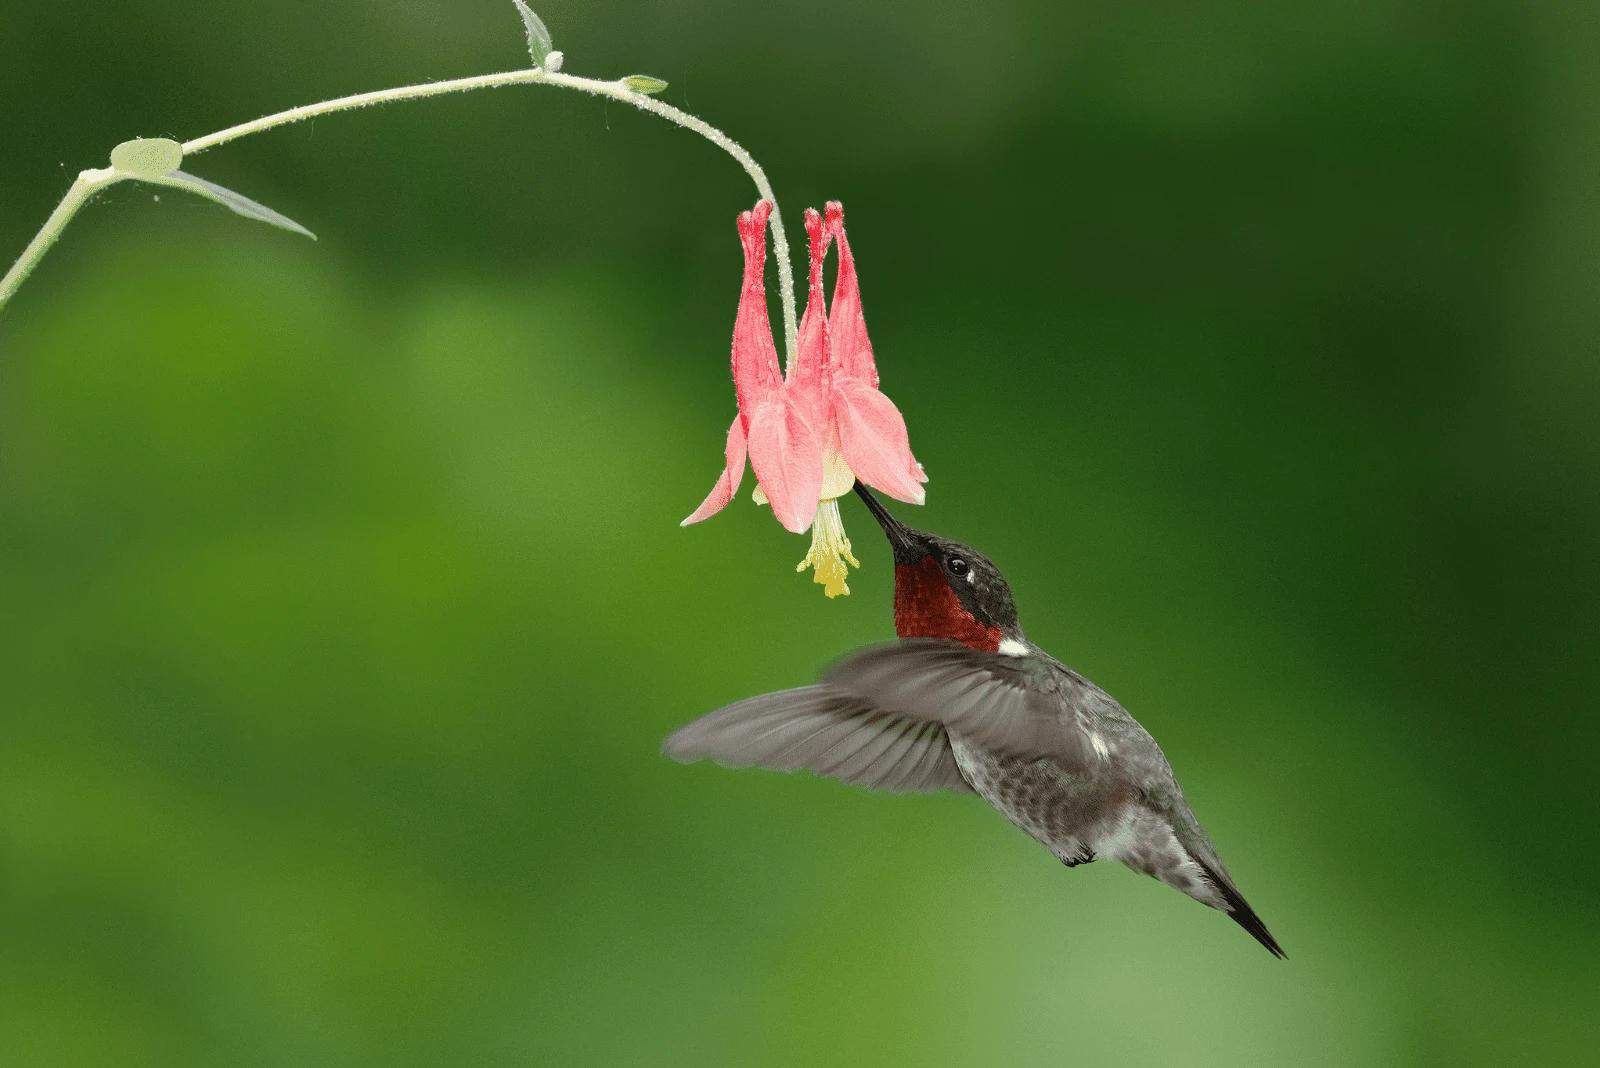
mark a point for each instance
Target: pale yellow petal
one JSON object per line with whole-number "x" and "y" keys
{"x": 837, "y": 478}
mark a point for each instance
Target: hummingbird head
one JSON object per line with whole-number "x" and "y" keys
{"x": 944, "y": 589}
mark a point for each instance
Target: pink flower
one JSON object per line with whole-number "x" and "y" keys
{"x": 809, "y": 435}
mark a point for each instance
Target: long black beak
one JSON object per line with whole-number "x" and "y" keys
{"x": 908, "y": 547}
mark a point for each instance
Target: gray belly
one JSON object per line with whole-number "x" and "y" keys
{"x": 1082, "y": 817}
{"x": 1069, "y": 814}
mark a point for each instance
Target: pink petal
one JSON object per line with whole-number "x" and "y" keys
{"x": 872, "y": 434}
{"x": 786, "y": 454}
{"x": 728, "y": 482}
{"x": 756, "y": 376}
{"x": 808, "y": 376}
{"x": 852, "y": 349}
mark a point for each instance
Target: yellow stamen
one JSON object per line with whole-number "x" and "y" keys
{"x": 829, "y": 550}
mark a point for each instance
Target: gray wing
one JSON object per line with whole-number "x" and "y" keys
{"x": 1019, "y": 705}
{"x": 883, "y": 717}
{"x": 826, "y": 731}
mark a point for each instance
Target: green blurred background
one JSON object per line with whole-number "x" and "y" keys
{"x": 344, "y": 603}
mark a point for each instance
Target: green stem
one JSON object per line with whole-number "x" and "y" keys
{"x": 91, "y": 182}
{"x": 80, "y": 193}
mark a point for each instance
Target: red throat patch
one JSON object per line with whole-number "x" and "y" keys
{"x": 926, "y": 607}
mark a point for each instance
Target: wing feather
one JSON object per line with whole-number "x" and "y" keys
{"x": 818, "y": 729}
{"x": 1003, "y": 703}
{"x": 883, "y": 718}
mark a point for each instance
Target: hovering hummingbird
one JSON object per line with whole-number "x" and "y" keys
{"x": 965, "y": 702}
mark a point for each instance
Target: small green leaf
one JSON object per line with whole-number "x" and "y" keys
{"x": 147, "y": 157}
{"x": 539, "y": 43}
{"x": 237, "y": 203}
{"x": 643, "y": 83}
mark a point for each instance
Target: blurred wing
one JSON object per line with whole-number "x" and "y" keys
{"x": 818, "y": 729}
{"x": 1007, "y": 704}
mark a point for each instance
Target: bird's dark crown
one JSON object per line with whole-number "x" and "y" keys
{"x": 944, "y": 588}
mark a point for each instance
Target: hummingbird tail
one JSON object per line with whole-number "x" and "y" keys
{"x": 1239, "y": 910}
{"x": 1246, "y": 917}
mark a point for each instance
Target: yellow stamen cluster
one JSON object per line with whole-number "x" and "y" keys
{"x": 829, "y": 550}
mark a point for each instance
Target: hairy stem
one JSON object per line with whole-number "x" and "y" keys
{"x": 90, "y": 182}
{"x": 82, "y": 190}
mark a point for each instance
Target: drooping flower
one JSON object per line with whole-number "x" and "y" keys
{"x": 809, "y": 435}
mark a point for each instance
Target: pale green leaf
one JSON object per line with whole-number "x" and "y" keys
{"x": 237, "y": 203}
{"x": 644, "y": 83}
{"x": 147, "y": 157}
{"x": 539, "y": 43}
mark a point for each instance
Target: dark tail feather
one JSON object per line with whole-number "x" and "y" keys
{"x": 1245, "y": 917}
{"x": 1240, "y": 912}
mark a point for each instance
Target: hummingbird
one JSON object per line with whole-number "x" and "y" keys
{"x": 965, "y": 702}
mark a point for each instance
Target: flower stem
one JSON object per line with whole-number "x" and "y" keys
{"x": 81, "y": 191}
{"x": 91, "y": 182}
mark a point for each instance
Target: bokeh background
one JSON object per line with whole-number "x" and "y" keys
{"x": 344, "y": 605}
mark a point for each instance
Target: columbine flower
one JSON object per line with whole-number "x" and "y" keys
{"x": 811, "y": 434}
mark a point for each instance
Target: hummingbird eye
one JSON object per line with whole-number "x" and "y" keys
{"x": 956, "y": 565}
